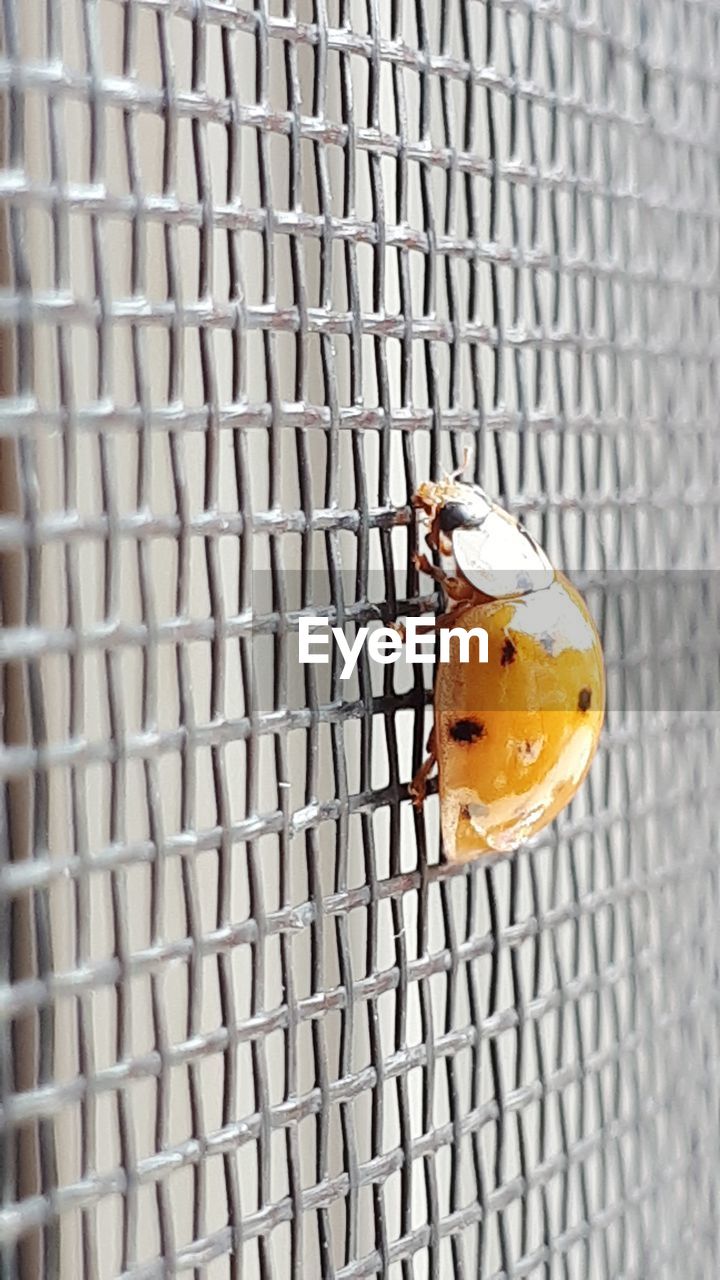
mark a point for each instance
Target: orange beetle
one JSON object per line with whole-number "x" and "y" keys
{"x": 513, "y": 737}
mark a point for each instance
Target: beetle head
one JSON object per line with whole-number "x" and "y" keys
{"x": 491, "y": 550}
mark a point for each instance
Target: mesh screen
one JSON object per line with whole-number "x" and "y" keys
{"x": 262, "y": 270}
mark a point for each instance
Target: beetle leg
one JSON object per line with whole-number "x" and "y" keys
{"x": 423, "y": 565}
{"x": 453, "y": 587}
{"x": 418, "y": 786}
{"x": 447, "y": 619}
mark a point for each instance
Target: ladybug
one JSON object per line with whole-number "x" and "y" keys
{"x": 513, "y": 737}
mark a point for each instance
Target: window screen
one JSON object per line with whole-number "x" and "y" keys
{"x": 263, "y": 269}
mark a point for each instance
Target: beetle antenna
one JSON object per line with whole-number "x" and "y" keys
{"x": 468, "y": 455}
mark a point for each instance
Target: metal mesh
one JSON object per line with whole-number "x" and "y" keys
{"x": 263, "y": 269}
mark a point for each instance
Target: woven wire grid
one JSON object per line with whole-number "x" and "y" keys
{"x": 264, "y": 268}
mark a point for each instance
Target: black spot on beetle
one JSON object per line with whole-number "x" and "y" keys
{"x": 508, "y": 653}
{"x": 467, "y": 731}
{"x": 584, "y": 700}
